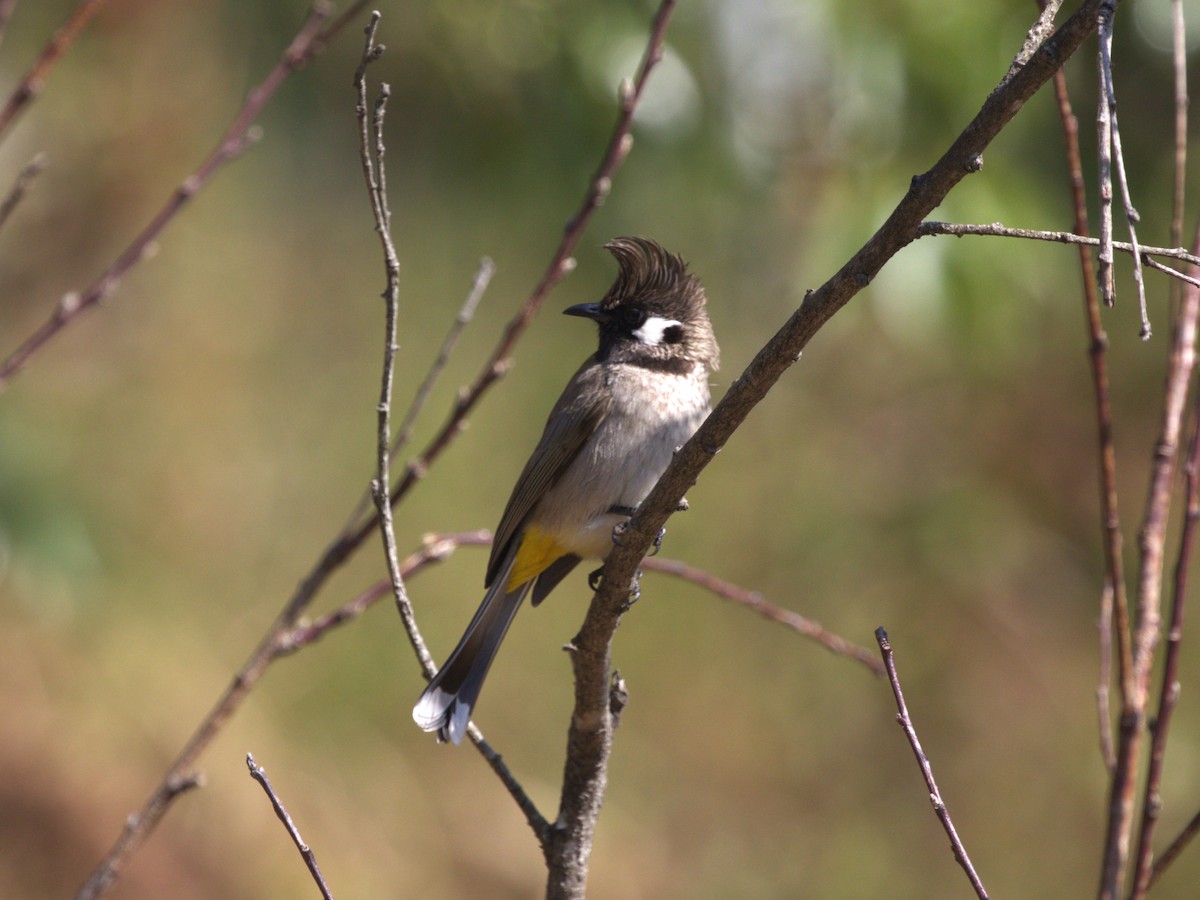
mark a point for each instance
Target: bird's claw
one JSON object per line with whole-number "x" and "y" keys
{"x": 658, "y": 539}
{"x": 635, "y": 592}
{"x": 618, "y": 530}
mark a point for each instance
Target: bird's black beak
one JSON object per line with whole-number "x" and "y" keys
{"x": 587, "y": 311}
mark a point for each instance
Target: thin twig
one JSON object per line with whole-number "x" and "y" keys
{"x": 34, "y": 80}
{"x": 434, "y": 548}
{"x": 1176, "y": 847}
{"x": 1179, "y": 56}
{"x": 483, "y": 277}
{"x": 996, "y": 229}
{"x": 935, "y": 796}
{"x": 1104, "y": 259}
{"x": 371, "y": 154}
{"x": 1174, "y": 273}
{"x": 16, "y": 193}
{"x": 1109, "y": 94}
{"x": 755, "y": 601}
{"x": 310, "y": 860}
{"x": 541, "y": 828}
{"x": 1036, "y": 36}
{"x": 240, "y": 134}
{"x": 1114, "y": 601}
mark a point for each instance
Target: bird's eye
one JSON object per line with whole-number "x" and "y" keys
{"x": 633, "y": 317}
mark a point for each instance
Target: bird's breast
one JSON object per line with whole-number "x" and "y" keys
{"x": 652, "y": 414}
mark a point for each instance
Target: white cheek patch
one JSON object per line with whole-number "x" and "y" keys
{"x": 652, "y": 330}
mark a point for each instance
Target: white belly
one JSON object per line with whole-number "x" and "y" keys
{"x": 624, "y": 458}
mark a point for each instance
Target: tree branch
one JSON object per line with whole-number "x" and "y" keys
{"x": 755, "y": 601}
{"x": 1176, "y": 847}
{"x": 935, "y": 796}
{"x": 34, "y": 80}
{"x": 1113, "y": 155}
{"x": 995, "y": 229}
{"x": 310, "y": 860}
{"x": 24, "y": 179}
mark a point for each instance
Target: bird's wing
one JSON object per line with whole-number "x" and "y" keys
{"x": 579, "y": 411}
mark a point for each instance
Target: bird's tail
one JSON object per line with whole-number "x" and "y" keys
{"x": 445, "y": 705}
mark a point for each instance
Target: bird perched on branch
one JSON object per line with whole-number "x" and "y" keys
{"x": 608, "y": 439}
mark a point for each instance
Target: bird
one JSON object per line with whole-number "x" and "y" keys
{"x": 607, "y": 440}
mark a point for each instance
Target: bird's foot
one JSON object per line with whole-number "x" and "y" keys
{"x": 635, "y": 592}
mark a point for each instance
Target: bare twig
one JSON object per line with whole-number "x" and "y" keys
{"x": 1179, "y": 56}
{"x": 1104, "y": 259}
{"x": 1109, "y": 95}
{"x": 310, "y": 860}
{"x": 1176, "y": 847}
{"x": 1114, "y": 601}
{"x": 755, "y": 601}
{"x": 537, "y": 822}
{"x": 29, "y": 171}
{"x": 935, "y": 796}
{"x": 1174, "y": 273}
{"x": 434, "y": 548}
{"x": 1036, "y": 36}
{"x": 995, "y": 229}
{"x": 34, "y": 80}
{"x": 371, "y": 152}
{"x": 483, "y": 277}
{"x": 240, "y": 134}
{"x": 137, "y": 826}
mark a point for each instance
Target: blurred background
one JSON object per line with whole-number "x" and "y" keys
{"x": 174, "y": 463}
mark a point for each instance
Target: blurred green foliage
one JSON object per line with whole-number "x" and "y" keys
{"x": 176, "y": 460}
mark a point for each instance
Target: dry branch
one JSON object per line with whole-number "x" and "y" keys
{"x": 20, "y": 187}
{"x": 935, "y": 795}
{"x": 259, "y": 774}
{"x": 34, "y": 80}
